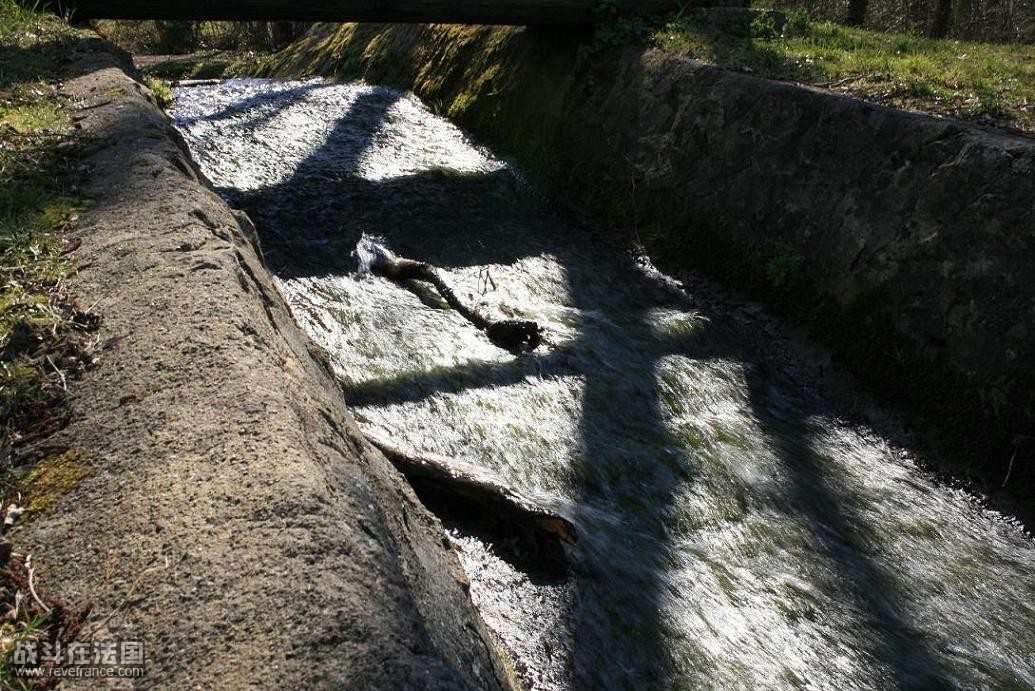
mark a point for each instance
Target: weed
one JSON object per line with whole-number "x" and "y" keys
{"x": 208, "y": 64}
{"x": 763, "y": 27}
{"x": 783, "y": 267}
{"x": 43, "y": 332}
{"x": 613, "y": 31}
{"x": 798, "y": 22}
{"x": 178, "y": 37}
{"x": 42, "y": 329}
{"x": 161, "y": 89}
{"x": 31, "y": 616}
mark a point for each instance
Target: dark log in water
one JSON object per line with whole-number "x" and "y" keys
{"x": 514, "y": 335}
{"x": 466, "y": 500}
{"x": 498, "y": 500}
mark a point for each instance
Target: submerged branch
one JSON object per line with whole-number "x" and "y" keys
{"x": 514, "y": 335}
{"x": 495, "y": 501}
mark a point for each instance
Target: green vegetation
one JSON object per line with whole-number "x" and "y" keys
{"x": 991, "y": 83}
{"x": 31, "y": 627}
{"x": 174, "y": 50}
{"x": 783, "y": 267}
{"x": 41, "y": 327}
{"x": 1000, "y": 21}
{"x": 50, "y": 479}
{"x": 613, "y": 31}
{"x": 205, "y": 64}
{"x": 178, "y": 37}
{"x": 161, "y": 89}
{"x": 32, "y": 616}
{"x": 44, "y": 334}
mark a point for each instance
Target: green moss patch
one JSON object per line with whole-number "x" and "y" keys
{"x": 52, "y": 478}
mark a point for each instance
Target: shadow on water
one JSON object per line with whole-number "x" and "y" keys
{"x": 890, "y": 637}
{"x": 266, "y": 104}
{"x": 309, "y": 225}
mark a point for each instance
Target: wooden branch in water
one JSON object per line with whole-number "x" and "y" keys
{"x": 496, "y": 501}
{"x": 399, "y": 270}
{"x": 514, "y": 335}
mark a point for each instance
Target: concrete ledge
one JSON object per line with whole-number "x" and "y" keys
{"x": 229, "y": 514}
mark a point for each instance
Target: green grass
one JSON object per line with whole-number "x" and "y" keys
{"x": 199, "y": 50}
{"x": 161, "y": 89}
{"x": 180, "y": 37}
{"x": 42, "y": 329}
{"x": 44, "y": 334}
{"x": 208, "y": 64}
{"x": 33, "y": 626}
{"x": 991, "y": 83}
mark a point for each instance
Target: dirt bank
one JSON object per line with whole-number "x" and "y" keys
{"x": 217, "y": 502}
{"x": 902, "y": 241}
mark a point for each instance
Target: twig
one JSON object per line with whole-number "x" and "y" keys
{"x": 635, "y": 219}
{"x": 1010, "y": 467}
{"x": 64, "y": 382}
{"x": 93, "y": 105}
{"x": 842, "y": 82}
{"x": 18, "y": 597}
{"x": 128, "y": 597}
{"x": 485, "y": 280}
{"x": 197, "y": 82}
{"x": 28, "y": 135}
{"x": 632, "y": 198}
{"x": 32, "y": 587}
{"x": 96, "y": 302}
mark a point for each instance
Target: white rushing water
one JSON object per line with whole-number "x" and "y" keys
{"x": 736, "y": 531}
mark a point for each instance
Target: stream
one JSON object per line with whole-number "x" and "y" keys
{"x": 736, "y": 530}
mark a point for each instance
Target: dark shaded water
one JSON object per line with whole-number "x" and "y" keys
{"x": 734, "y": 531}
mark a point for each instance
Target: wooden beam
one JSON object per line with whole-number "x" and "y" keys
{"x": 503, "y": 12}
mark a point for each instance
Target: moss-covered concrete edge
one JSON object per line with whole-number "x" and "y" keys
{"x": 526, "y": 93}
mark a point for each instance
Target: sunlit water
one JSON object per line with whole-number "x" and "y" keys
{"x": 734, "y": 531}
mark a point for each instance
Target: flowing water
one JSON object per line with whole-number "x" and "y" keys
{"x": 734, "y": 530}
